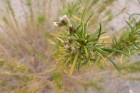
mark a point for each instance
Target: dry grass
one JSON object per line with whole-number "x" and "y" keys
{"x": 26, "y": 63}
{"x": 24, "y": 50}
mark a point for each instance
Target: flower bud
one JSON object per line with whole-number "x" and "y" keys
{"x": 67, "y": 47}
{"x": 66, "y": 43}
{"x": 72, "y": 30}
{"x": 70, "y": 39}
{"x": 64, "y": 20}
{"x": 73, "y": 49}
{"x": 57, "y": 24}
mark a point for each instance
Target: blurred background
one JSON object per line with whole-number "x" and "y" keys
{"x": 26, "y": 61}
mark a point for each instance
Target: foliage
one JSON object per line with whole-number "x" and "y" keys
{"x": 76, "y": 47}
{"x": 129, "y": 41}
{"x": 26, "y": 55}
{"x": 100, "y": 14}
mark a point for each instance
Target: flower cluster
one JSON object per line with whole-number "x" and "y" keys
{"x": 64, "y": 21}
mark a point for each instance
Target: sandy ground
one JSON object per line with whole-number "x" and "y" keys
{"x": 131, "y": 6}
{"x": 113, "y": 85}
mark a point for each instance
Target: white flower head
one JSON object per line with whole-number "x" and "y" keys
{"x": 55, "y": 23}
{"x": 66, "y": 46}
{"x": 64, "y": 21}
{"x": 63, "y": 18}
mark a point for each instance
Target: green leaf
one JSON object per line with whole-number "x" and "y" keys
{"x": 100, "y": 29}
{"x": 84, "y": 30}
{"x": 99, "y": 34}
{"x": 89, "y": 18}
{"x": 97, "y": 60}
{"x": 101, "y": 52}
{"x": 114, "y": 50}
{"x": 130, "y": 26}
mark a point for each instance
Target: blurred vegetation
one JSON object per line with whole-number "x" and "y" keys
{"x": 101, "y": 14}
{"x": 26, "y": 61}
{"x": 132, "y": 67}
